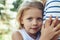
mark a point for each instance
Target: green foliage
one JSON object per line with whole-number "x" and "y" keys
{"x": 16, "y": 4}
{"x": 2, "y": 2}
{"x": 5, "y": 18}
{"x": 0, "y": 37}
{"x": 1, "y": 8}
{"x": 0, "y": 12}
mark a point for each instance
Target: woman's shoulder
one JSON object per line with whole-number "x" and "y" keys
{"x": 16, "y": 36}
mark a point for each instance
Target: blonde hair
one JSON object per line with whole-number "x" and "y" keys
{"x": 27, "y": 5}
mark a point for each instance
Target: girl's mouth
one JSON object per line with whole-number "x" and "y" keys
{"x": 34, "y": 28}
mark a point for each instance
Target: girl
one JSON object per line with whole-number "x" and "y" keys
{"x": 30, "y": 18}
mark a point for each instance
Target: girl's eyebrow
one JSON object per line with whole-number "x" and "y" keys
{"x": 40, "y": 17}
{"x": 37, "y": 17}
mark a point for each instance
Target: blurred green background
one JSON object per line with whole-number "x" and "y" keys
{"x": 8, "y": 11}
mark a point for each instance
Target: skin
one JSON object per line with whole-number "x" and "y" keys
{"x": 17, "y": 36}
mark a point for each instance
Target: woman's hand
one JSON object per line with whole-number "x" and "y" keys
{"x": 49, "y": 30}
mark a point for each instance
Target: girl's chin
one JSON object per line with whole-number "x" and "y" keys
{"x": 34, "y": 31}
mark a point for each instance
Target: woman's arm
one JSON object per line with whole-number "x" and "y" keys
{"x": 17, "y": 36}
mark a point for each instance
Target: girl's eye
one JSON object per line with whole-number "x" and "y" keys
{"x": 39, "y": 19}
{"x": 30, "y": 19}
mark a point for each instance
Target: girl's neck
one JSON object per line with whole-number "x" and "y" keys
{"x": 34, "y": 36}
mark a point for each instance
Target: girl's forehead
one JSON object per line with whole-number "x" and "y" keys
{"x": 32, "y": 12}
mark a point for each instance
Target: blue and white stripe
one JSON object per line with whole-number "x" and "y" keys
{"x": 52, "y": 7}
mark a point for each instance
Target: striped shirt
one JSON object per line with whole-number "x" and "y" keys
{"x": 52, "y": 7}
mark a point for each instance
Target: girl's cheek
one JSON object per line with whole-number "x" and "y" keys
{"x": 40, "y": 25}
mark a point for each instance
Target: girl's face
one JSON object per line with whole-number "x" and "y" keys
{"x": 32, "y": 20}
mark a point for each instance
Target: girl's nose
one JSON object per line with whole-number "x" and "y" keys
{"x": 34, "y": 22}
